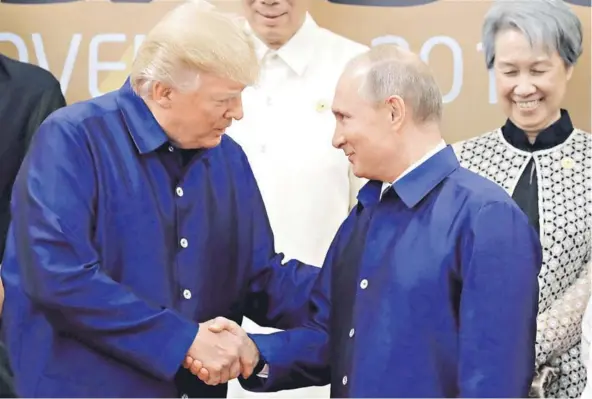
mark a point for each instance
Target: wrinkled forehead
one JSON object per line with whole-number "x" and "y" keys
{"x": 211, "y": 82}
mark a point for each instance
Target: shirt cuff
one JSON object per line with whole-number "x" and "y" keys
{"x": 262, "y": 369}
{"x": 264, "y": 373}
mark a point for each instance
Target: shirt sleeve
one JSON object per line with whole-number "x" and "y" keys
{"x": 54, "y": 216}
{"x": 299, "y": 357}
{"x": 278, "y": 291}
{"x": 587, "y": 334}
{"x": 45, "y": 103}
{"x": 559, "y": 326}
{"x": 499, "y": 304}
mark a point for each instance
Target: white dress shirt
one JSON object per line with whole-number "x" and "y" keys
{"x": 306, "y": 184}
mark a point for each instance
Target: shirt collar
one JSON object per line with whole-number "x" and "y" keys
{"x": 141, "y": 124}
{"x": 441, "y": 145}
{"x": 296, "y": 53}
{"x": 419, "y": 181}
{"x": 552, "y": 136}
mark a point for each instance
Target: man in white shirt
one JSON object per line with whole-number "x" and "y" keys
{"x": 306, "y": 184}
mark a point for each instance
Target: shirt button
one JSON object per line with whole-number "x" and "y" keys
{"x": 179, "y": 191}
{"x": 364, "y": 284}
{"x": 184, "y": 243}
{"x": 344, "y": 380}
{"x": 171, "y": 149}
{"x": 352, "y": 332}
{"x": 186, "y": 294}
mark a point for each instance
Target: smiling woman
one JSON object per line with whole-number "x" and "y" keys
{"x": 544, "y": 163}
{"x": 532, "y": 49}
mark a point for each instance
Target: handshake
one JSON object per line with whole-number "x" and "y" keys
{"x": 221, "y": 351}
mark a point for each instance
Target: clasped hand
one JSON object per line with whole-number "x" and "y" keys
{"x": 221, "y": 351}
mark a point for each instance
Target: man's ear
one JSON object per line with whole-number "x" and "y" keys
{"x": 397, "y": 111}
{"x": 161, "y": 94}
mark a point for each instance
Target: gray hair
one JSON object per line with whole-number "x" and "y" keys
{"x": 389, "y": 70}
{"x": 548, "y": 23}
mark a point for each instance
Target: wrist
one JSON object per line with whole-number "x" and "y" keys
{"x": 255, "y": 351}
{"x": 258, "y": 360}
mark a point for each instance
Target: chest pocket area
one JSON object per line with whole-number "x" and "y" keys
{"x": 310, "y": 133}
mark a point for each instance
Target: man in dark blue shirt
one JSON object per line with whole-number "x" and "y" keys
{"x": 430, "y": 287}
{"x": 135, "y": 219}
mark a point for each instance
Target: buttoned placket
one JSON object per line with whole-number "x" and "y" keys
{"x": 271, "y": 82}
{"x": 363, "y": 284}
{"x": 183, "y": 242}
{"x": 352, "y": 331}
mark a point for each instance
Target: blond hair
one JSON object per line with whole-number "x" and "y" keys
{"x": 194, "y": 38}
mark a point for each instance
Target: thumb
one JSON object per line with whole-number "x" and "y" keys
{"x": 220, "y": 324}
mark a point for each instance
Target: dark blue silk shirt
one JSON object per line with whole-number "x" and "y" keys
{"x": 118, "y": 249}
{"x": 431, "y": 291}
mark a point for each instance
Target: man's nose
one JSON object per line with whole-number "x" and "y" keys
{"x": 338, "y": 141}
{"x": 236, "y": 109}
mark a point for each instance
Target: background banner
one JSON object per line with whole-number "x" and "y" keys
{"x": 89, "y": 46}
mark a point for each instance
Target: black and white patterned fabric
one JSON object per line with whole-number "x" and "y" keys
{"x": 564, "y": 176}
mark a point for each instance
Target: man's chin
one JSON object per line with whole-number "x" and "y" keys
{"x": 213, "y": 142}
{"x": 356, "y": 170}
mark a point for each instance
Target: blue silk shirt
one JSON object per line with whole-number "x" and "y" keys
{"x": 430, "y": 291}
{"x": 118, "y": 249}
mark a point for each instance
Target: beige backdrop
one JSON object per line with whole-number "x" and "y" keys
{"x": 88, "y": 46}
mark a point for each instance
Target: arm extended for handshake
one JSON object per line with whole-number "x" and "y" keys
{"x": 221, "y": 351}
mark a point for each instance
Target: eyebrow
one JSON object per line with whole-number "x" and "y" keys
{"x": 227, "y": 95}
{"x": 536, "y": 63}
